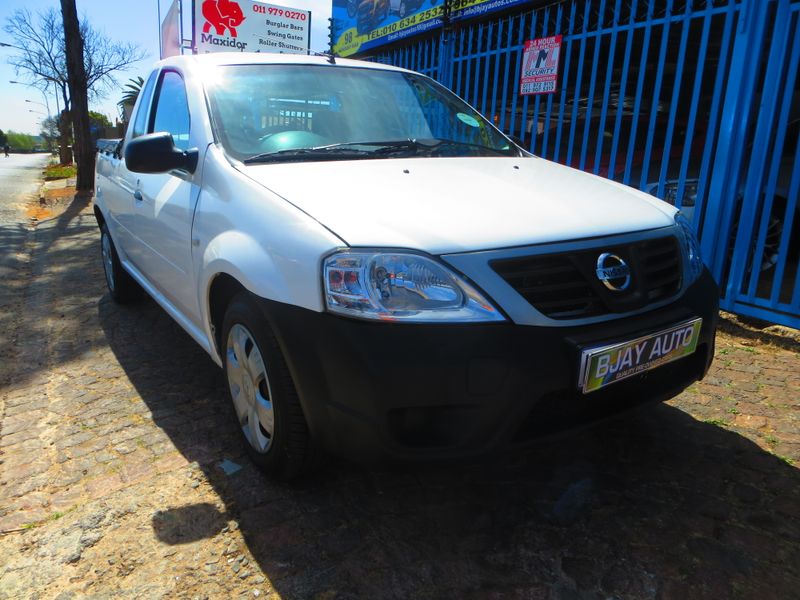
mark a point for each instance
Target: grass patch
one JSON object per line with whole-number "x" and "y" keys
{"x": 716, "y": 422}
{"x": 733, "y": 411}
{"x": 785, "y": 459}
{"x": 59, "y": 172}
{"x": 54, "y": 517}
{"x": 771, "y": 439}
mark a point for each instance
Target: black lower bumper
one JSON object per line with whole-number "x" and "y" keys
{"x": 380, "y": 390}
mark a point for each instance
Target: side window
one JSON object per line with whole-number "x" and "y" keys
{"x": 172, "y": 109}
{"x": 140, "y": 121}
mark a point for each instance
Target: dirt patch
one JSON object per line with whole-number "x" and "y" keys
{"x": 37, "y": 212}
{"x": 55, "y": 195}
{"x": 52, "y": 202}
{"x": 755, "y": 332}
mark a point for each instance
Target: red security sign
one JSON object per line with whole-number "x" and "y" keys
{"x": 540, "y": 66}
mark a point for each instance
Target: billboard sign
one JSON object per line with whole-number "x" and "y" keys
{"x": 362, "y": 25}
{"x": 540, "y": 66}
{"x": 250, "y": 26}
{"x": 171, "y": 32}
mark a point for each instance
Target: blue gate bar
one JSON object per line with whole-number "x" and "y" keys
{"x": 495, "y": 79}
{"x": 772, "y": 176}
{"x": 612, "y": 49}
{"x": 648, "y": 148}
{"x": 598, "y": 42}
{"x": 623, "y": 86}
{"x": 673, "y": 108}
{"x": 740, "y": 82}
{"x": 578, "y": 79}
{"x": 689, "y": 140}
{"x": 708, "y": 151}
{"x": 517, "y": 71}
{"x": 525, "y": 99}
{"x": 505, "y": 74}
{"x": 788, "y": 227}
{"x": 755, "y": 174}
{"x": 546, "y": 127}
{"x": 473, "y": 98}
{"x": 637, "y": 103}
{"x": 565, "y": 82}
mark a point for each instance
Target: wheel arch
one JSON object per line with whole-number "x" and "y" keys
{"x": 98, "y": 215}
{"x": 222, "y": 289}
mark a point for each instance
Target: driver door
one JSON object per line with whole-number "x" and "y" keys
{"x": 164, "y": 204}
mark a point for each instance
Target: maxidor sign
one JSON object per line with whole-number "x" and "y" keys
{"x": 250, "y": 26}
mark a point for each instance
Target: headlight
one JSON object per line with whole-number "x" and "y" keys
{"x": 691, "y": 248}
{"x": 401, "y": 286}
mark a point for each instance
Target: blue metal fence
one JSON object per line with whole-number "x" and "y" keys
{"x": 694, "y": 101}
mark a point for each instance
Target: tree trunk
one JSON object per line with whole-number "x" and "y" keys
{"x": 78, "y": 92}
{"x": 64, "y": 153}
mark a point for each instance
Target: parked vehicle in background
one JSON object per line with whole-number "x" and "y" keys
{"x": 381, "y": 272}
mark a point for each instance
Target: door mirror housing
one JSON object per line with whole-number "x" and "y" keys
{"x": 156, "y": 153}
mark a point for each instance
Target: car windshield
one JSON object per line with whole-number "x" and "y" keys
{"x": 279, "y": 113}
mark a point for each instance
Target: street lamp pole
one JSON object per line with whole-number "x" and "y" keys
{"x": 46, "y": 105}
{"x": 42, "y": 92}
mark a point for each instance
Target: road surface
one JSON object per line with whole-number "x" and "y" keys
{"x": 20, "y": 178}
{"x": 20, "y": 175}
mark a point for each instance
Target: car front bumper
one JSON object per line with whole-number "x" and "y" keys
{"x": 374, "y": 391}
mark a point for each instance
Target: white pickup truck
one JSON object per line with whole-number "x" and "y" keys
{"x": 381, "y": 272}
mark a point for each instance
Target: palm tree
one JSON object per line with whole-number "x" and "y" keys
{"x": 129, "y": 95}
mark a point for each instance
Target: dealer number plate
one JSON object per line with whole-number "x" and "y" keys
{"x": 605, "y": 365}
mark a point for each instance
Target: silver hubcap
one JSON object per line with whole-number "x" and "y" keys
{"x": 108, "y": 260}
{"x": 252, "y": 396}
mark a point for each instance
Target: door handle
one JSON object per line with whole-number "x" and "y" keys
{"x": 137, "y": 195}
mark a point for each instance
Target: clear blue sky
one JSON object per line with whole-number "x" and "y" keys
{"x": 122, "y": 20}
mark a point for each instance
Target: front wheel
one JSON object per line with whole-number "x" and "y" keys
{"x": 122, "y": 287}
{"x": 265, "y": 401}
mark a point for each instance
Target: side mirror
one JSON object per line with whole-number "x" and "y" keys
{"x": 156, "y": 153}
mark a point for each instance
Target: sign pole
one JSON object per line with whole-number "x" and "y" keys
{"x": 160, "y": 43}
{"x": 194, "y": 29}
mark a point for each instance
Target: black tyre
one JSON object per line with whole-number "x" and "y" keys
{"x": 121, "y": 285}
{"x": 265, "y": 401}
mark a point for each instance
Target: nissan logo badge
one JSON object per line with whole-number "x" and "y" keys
{"x": 613, "y": 272}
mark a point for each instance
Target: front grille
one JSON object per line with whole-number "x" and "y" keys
{"x": 565, "y": 286}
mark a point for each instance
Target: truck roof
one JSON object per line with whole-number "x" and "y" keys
{"x": 266, "y": 58}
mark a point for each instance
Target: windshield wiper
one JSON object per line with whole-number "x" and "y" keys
{"x": 349, "y": 150}
{"x": 320, "y": 153}
{"x": 382, "y": 147}
{"x": 426, "y": 147}
{"x": 438, "y": 143}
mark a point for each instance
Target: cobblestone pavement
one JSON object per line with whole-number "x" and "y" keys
{"x": 115, "y": 426}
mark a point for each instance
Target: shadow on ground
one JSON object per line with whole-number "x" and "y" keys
{"x": 28, "y": 283}
{"x": 654, "y": 505}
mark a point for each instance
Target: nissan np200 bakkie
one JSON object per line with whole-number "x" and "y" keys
{"x": 381, "y": 272}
